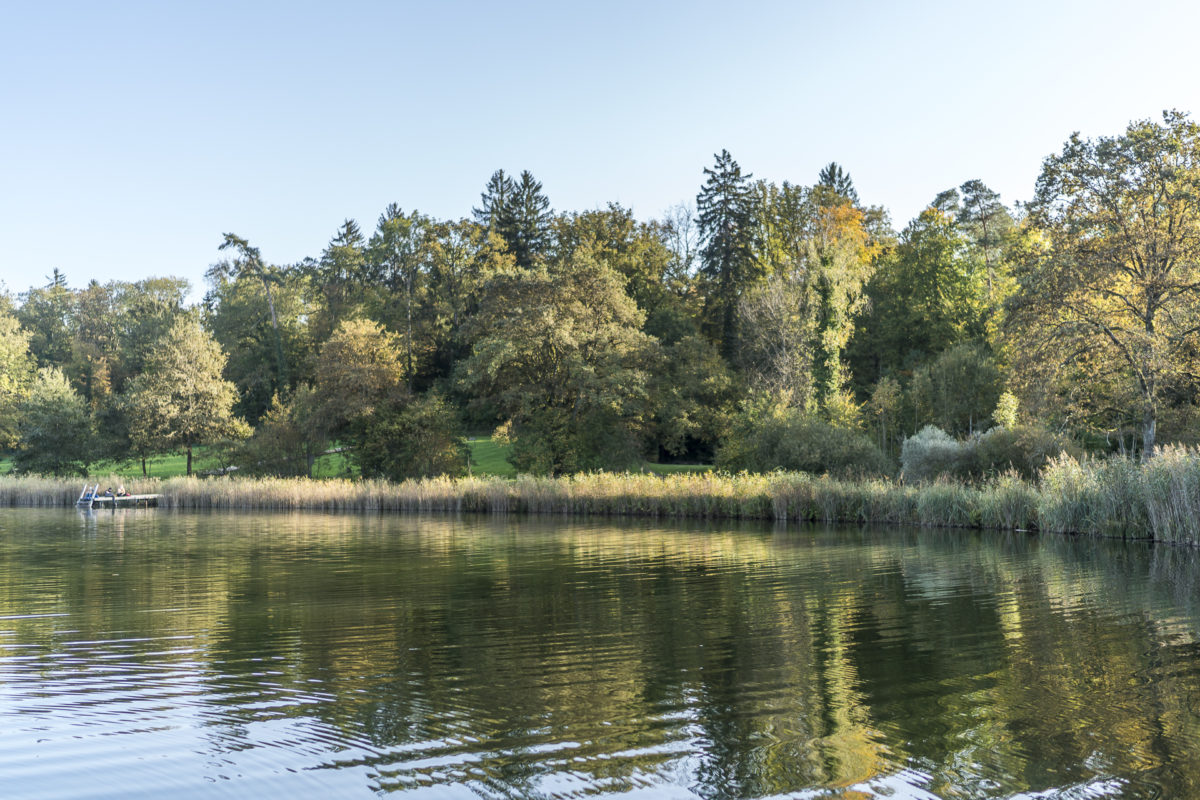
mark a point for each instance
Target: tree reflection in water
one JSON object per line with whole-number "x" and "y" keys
{"x": 530, "y": 658}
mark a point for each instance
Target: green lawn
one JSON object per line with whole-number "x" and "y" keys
{"x": 487, "y": 458}
{"x": 668, "y": 469}
{"x": 331, "y": 465}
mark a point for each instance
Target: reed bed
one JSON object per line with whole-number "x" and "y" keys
{"x": 1158, "y": 499}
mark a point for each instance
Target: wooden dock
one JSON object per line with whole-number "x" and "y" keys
{"x": 89, "y": 498}
{"x": 127, "y": 501}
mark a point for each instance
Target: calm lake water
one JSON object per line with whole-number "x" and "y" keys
{"x": 156, "y": 654}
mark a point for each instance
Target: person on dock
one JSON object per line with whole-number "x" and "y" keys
{"x": 108, "y": 492}
{"x": 121, "y": 491}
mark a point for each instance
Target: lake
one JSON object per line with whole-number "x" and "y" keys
{"x": 155, "y": 654}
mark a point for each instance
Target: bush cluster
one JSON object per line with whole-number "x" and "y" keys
{"x": 793, "y": 441}
{"x": 1024, "y": 449}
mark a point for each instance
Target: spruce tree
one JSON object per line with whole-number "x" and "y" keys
{"x": 495, "y": 210}
{"x": 834, "y": 178}
{"x": 724, "y": 217}
{"x": 530, "y": 220}
{"x": 519, "y": 212}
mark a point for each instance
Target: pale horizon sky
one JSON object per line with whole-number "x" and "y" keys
{"x": 134, "y": 134}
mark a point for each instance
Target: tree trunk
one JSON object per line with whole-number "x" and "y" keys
{"x": 144, "y": 474}
{"x": 279, "y": 362}
{"x": 408, "y": 368}
{"x": 189, "y": 460}
{"x": 1149, "y": 427}
{"x": 1149, "y": 392}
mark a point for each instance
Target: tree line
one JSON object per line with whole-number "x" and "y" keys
{"x": 766, "y": 326}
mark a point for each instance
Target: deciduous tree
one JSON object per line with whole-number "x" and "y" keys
{"x": 16, "y": 376}
{"x": 359, "y": 369}
{"x": 1115, "y": 278}
{"x": 560, "y": 357}
{"x": 182, "y": 400}
{"x": 55, "y": 429}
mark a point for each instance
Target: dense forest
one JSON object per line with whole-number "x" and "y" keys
{"x": 763, "y": 326}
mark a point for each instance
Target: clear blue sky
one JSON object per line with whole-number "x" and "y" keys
{"x": 133, "y": 134}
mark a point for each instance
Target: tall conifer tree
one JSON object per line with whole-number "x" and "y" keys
{"x": 723, "y": 209}
{"x": 836, "y": 179}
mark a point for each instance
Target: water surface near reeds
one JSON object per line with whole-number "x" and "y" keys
{"x": 176, "y": 654}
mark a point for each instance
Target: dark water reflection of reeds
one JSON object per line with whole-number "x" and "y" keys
{"x": 188, "y": 655}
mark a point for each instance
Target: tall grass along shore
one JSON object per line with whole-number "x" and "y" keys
{"x": 1158, "y": 499}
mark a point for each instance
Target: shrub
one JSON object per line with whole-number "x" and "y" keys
{"x": 931, "y": 453}
{"x": 415, "y": 440}
{"x": 1024, "y": 448}
{"x": 792, "y": 440}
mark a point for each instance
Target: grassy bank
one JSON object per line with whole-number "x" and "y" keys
{"x": 487, "y": 458}
{"x": 1158, "y": 500}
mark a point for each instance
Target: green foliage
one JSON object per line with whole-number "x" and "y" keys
{"x": 16, "y": 376}
{"x": 834, "y": 178}
{"x": 399, "y": 253}
{"x": 519, "y": 213}
{"x": 257, "y": 315}
{"x": 55, "y": 431}
{"x": 1111, "y": 280}
{"x": 462, "y": 256}
{"x": 46, "y": 313}
{"x": 958, "y": 390}
{"x": 340, "y": 277}
{"x": 1024, "y": 450}
{"x": 762, "y": 438}
{"x": 278, "y": 445}
{"x": 887, "y": 401}
{"x": 926, "y": 296}
{"x": 419, "y": 439}
{"x": 181, "y": 400}
{"x": 694, "y": 394}
{"x": 560, "y": 356}
{"x": 635, "y": 250}
{"x": 723, "y": 213}
{"x": 247, "y": 296}
{"x": 1005, "y": 414}
{"x": 594, "y": 340}
{"x": 819, "y": 254}
{"x": 1027, "y": 449}
{"x": 931, "y": 453}
{"x": 360, "y": 368}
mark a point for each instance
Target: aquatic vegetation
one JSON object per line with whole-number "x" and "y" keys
{"x": 1158, "y": 499}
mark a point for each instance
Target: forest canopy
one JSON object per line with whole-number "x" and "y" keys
{"x": 762, "y": 325}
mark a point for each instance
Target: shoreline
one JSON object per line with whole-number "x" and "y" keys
{"x": 1157, "y": 500}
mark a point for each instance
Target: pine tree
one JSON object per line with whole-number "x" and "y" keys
{"x": 530, "y": 220}
{"x": 519, "y": 212}
{"x": 723, "y": 209}
{"x": 341, "y": 274}
{"x": 248, "y": 263}
{"x": 495, "y": 210}
{"x": 836, "y": 179}
{"x": 988, "y": 222}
